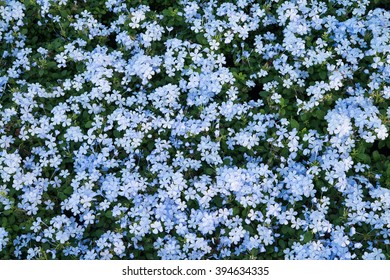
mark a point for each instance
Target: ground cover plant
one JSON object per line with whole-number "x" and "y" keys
{"x": 194, "y": 129}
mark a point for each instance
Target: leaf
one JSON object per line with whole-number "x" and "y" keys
{"x": 217, "y": 201}
{"x": 227, "y": 161}
{"x": 11, "y": 220}
{"x": 286, "y": 229}
{"x": 88, "y": 124}
{"x": 376, "y": 156}
{"x": 250, "y": 229}
{"x": 201, "y": 39}
{"x": 294, "y": 124}
{"x": 108, "y": 214}
{"x": 209, "y": 171}
{"x": 52, "y": 64}
{"x": 282, "y": 243}
{"x": 364, "y": 158}
{"x": 68, "y": 190}
{"x": 7, "y": 212}
{"x": 308, "y": 237}
{"x": 62, "y": 196}
{"x": 117, "y": 134}
{"x": 63, "y": 13}
{"x": 236, "y": 211}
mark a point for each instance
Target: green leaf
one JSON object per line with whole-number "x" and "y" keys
{"x": 294, "y": 124}
{"x": 282, "y": 243}
{"x": 308, "y": 237}
{"x": 226, "y": 161}
{"x": 63, "y": 13}
{"x": 62, "y": 196}
{"x": 4, "y": 222}
{"x": 108, "y": 214}
{"x": 284, "y": 229}
{"x": 11, "y": 219}
{"x": 249, "y": 229}
{"x": 376, "y": 156}
{"x": 117, "y": 134}
{"x": 217, "y": 201}
{"x": 52, "y": 64}
{"x": 88, "y": 124}
{"x": 201, "y": 39}
{"x": 68, "y": 190}
{"x": 7, "y": 212}
{"x": 209, "y": 171}
{"x": 364, "y": 158}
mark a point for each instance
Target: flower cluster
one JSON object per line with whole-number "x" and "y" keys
{"x": 194, "y": 130}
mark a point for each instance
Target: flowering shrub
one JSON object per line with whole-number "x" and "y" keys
{"x": 194, "y": 129}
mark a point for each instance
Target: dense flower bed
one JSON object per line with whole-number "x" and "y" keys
{"x": 194, "y": 129}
